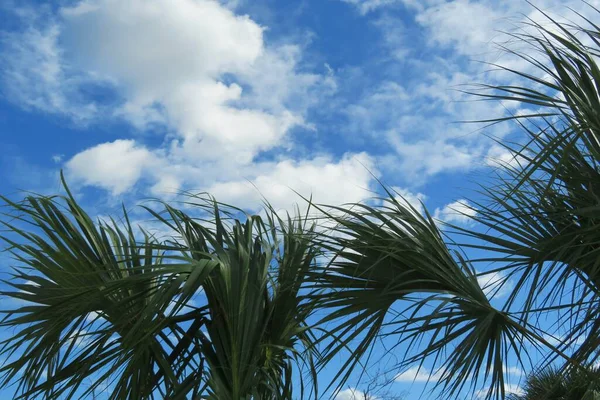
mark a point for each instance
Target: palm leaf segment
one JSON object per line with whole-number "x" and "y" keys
{"x": 544, "y": 214}
{"x": 256, "y": 331}
{"x": 552, "y": 383}
{"x": 392, "y": 274}
{"x": 106, "y": 309}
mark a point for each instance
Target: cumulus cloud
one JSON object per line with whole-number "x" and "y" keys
{"x": 366, "y": 6}
{"x": 452, "y": 23}
{"x": 515, "y": 371}
{"x": 458, "y": 212}
{"x": 168, "y": 59}
{"x": 416, "y": 374}
{"x": 426, "y": 158}
{"x": 498, "y": 156}
{"x": 119, "y": 165}
{"x": 420, "y": 121}
{"x": 160, "y": 43}
{"x": 377, "y": 108}
{"x": 115, "y": 166}
{"x": 416, "y": 122}
{"x": 192, "y": 72}
{"x": 326, "y": 180}
{"x": 353, "y": 394}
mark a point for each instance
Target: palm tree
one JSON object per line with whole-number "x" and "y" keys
{"x": 99, "y": 305}
{"x": 541, "y": 229}
{"x": 553, "y": 384}
{"x": 281, "y": 298}
{"x": 391, "y": 260}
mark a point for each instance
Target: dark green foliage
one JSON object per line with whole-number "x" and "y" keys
{"x": 554, "y": 384}
{"x": 241, "y": 344}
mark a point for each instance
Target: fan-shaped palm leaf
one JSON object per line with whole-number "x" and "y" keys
{"x": 96, "y": 305}
{"x": 256, "y": 328}
{"x": 390, "y": 260}
{"x": 543, "y": 217}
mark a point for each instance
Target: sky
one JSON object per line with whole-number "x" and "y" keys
{"x": 138, "y": 99}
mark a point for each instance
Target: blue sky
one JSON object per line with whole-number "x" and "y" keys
{"x": 144, "y": 98}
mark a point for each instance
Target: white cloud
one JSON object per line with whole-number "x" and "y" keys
{"x": 396, "y": 37}
{"x": 420, "y": 124}
{"x": 353, "y": 394}
{"x": 508, "y": 388}
{"x": 367, "y": 6}
{"x": 416, "y": 125}
{"x": 328, "y": 181}
{"x": 454, "y": 22}
{"x": 194, "y": 68}
{"x": 427, "y": 158}
{"x": 168, "y": 42}
{"x": 120, "y": 165}
{"x": 381, "y": 106}
{"x": 167, "y": 57}
{"x": 33, "y": 73}
{"x": 515, "y": 371}
{"x": 416, "y": 374}
{"x": 451, "y": 22}
{"x": 495, "y": 284}
{"x": 115, "y": 166}
{"x": 458, "y": 212}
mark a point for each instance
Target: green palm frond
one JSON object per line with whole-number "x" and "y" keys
{"x": 541, "y": 220}
{"x": 257, "y": 333}
{"x": 555, "y": 383}
{"x": 95, "y": 304}
{"x": 392, "y": 270}
{"x": 103, "y": 305}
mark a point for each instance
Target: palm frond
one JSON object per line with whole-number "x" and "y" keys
{"x": 392, "y": 269}
{"x": 95, "y": 304}
{"x": 541, "y": 219}
{"x": 257, "y": 334}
